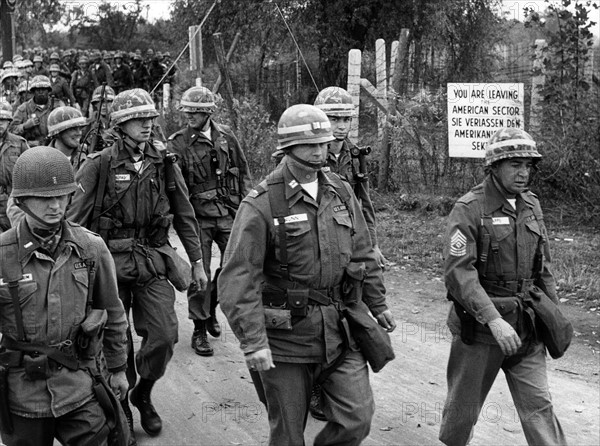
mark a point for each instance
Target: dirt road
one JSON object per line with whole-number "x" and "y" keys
{"x": 211, "y": 401}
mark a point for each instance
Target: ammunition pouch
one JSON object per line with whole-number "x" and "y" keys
{"x": 298, "y": 302}
{"x": 278, "y": 319}
{"x": 352, "y": 282}
{"x": 36, "y": 366}
{"x": 89, "y": 338}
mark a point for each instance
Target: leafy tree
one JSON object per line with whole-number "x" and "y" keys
{"x": 570, "y": 133}
{"x": 32, "y": 19}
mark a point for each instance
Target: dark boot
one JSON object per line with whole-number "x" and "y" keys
{"x": 315, "y": 404}
{"x": 200, "y": 340}
{"x": 212, "y": 325}
{"x": 140, "y": 398}
{"x": 129, "y": 416}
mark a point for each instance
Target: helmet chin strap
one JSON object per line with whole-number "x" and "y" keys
{"x": 44, "y": 232}
{"x": 314, "y": 166}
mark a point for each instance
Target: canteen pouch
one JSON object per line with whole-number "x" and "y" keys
{"x": 352, "y": 282}
{"x": 278, "y": 319}
{"x": 89, "y": 341}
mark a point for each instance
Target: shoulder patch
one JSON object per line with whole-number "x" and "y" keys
{"x": 256, "y": 192}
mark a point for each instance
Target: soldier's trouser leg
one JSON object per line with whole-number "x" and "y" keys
{"x": 347, "y": 403}
{"x": 211, "y": 229}
{"x": 286, "y": 390}
{"x": 471, "y": 372}
{"x": 155, "y": 321}
{"x": 528, "y": 383}
{"x": 85, "y": 425}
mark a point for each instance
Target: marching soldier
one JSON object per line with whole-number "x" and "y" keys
{"x": 52, "y": 352}
{"x": 132, "y": 192}
{"x": 31, "y": 118}
{"x": 296, "y": 241}
{"x": 11, "y": 147}
{"x": 496, "y": 250}
{"x": 216, "y": 173}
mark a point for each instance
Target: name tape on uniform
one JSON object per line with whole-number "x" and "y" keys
{"x": 500, "y": 221}
{"x": 122, "y": 177}
{"x": 292, "y": 219}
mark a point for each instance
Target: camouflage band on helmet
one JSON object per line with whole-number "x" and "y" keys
{"x": 132, "y": 104}
{"x": 335, "y": 101}
{"x": 40, "y": 81}
{"x": 197, "y": 100}
{"x": 64, "y": 118}
{"x": 303, "y": 124}
{"x": 510, "y": 143}
{"x": 6, "y": 111}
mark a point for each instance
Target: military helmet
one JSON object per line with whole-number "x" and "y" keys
{"x": 167, "y": 54}
{"x": 26, "y": 63}
{"x": 22, "y": 88}
{"x": 118, "y": 54}
{"x": 42, "y": 172}
{"x": 54, "y": 56}
{"x": 510, "y": 143}
{"x": 6, "y": 112}
{"x": 83, "y": 59}
{"x": 7, "y": 65}
{"x": 335, "y": 101}
{"x": 132, "y": 104}
{"x": 38, "y": 58}
{"x": 64, "y": 118}
{"x": 303, "y": 124}
{"x": 17, "y": 58}
{"x": 196, "y": 100}
{"x": 40, "y": 81}
{"x": 54, "y": 67}
{"x": 136, "y": 56}
{"x": 11, "y": 72}
{"x": 109, "y": 94}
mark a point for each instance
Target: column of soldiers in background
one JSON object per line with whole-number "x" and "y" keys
{"x": 83, "y": 71}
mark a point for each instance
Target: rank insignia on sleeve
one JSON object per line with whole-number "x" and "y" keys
{"x": 458, "y": 244}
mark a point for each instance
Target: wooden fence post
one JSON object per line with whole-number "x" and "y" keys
{"x": 220, "y": 52}
{"x": 354, "y": 67}
{"x": 382, "y": 84}
{"x": 196, "y": 62}
{"x": 537, "y": 82}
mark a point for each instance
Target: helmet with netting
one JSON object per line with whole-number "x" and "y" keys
{"x": 64, "y": 118}
{"x": 335, "y": 101}
{"x": 132, "y": 104}
{"x": 6, "y": 112}
{"x": 510, "y": 143}
{"x": 42, "y": 172}
{"x": 54, "y": 56}
{"x": 7, "y": 64}
{"x": 11, "y": 72}
{"x": 22, "y": 88}
{"x": 40, "y": 81}
{"x": 109, "y": 94}
{"x": 38, "y": 58}
{"x": 196, "y": 100}
{"x": 303, "y": 124}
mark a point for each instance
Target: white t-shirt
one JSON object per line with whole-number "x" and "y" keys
{"x": 312, "y": 188}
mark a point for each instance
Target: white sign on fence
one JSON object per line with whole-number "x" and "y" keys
{"x": 476, "y": 111}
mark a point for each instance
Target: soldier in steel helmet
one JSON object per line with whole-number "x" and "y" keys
{"x": 54, "y": 354}
{"x": 22, "y": 95}
{"x": 131, "y": 193}
{"x": 141, "y": 75}
{"x": 31, "y": 118}
{"x": 38, "y": 66}
{"x": 60, "y": 86}
{"x": 98, "y": 133}
{"x": 216, "y": 173}
{"x": 11, "y": 147}
{"x": 83, "y": 82}
{"x": 122, "y": 75}
{"x": 294, "y": 237}
{"x": 496, "y": 250}
{"x": 65, "y": 131}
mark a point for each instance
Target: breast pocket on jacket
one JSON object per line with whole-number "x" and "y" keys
{"x": 344, "y": 228}
{"x": 300, "y": 244}
{"x": 27, "y": 302}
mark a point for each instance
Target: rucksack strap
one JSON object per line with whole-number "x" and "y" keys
{"x": 280, "y": 209}
{"x": 12, "y": 274}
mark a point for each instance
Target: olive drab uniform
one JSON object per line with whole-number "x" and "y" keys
{"x": 11, "y": 147}
{"x": 35, "y": 136}
{"x": 323, "y": 237}
{"x": 348, "y": 167}
{"x": 494, "y": 253}
{"x": 136, "y": 214}
{"x": 216, "y": 173}
{"x": 55, "y": 383}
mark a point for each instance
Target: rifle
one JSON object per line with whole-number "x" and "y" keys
{"x": 95, "y": 130}
{"x": 360, "y": 153}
